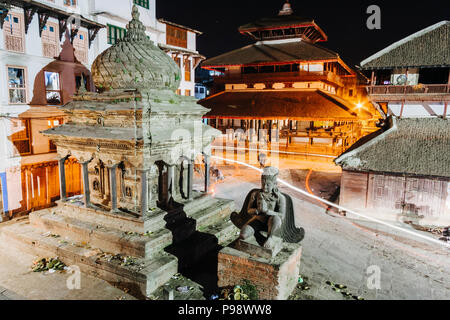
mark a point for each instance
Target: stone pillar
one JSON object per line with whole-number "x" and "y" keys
{"x": 144, "y": 192}
{"x": 170, "y": 182}
{"x": 113, "y": 186}
{"x": 190, "y": 179}
{"x": 62, "y": 179}
{"x": 207, "y": 160}
{"x": 87, "y": 191}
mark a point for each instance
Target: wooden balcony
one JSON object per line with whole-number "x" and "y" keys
{"x": 300, "y": 76}
{"x": 422, "y": 92}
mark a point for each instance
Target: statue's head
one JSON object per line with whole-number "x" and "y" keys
{"x": 269, "y": 179}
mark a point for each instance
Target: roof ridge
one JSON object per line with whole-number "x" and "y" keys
{"x": 407, "y": 39}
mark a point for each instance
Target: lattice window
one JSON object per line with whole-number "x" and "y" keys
{"x": 176, "y": 36}
{"x": 17, "y": 85}
{"x": 80, "y": 43}
{"x": 143, "y": 3}
{"x": 21, "y": 138}
{"x": 14, "y": 31}
{"x": 115, "y": 34}
{"x": 187, "y": 70}
{"x": 50, "y": 40}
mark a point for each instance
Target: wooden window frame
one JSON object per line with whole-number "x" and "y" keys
{"x": 50, "y": 142}
{"x": 59, "y": 91}
{"x": 109, "y": 33}
{"x": 25, "y": 83}
{"x": 177, "y": 37}
{"x": 29, "y": 139}
{"x": 22, "y": 31}
{"x": 71, "y": 5}
{"x": 187, "y": 70}
{"x": 142, "y": 3}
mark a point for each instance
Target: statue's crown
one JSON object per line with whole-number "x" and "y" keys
{"x": 270, "y": 172}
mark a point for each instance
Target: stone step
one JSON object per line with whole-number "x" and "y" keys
{"x": 107, "y": 239}
{"x": 155, "y": 220}
{"x": 225, "y": 231}
{"x": 119, "y": 221}
{"x": 142, "y": 278}
{"x": 217, "y": 212}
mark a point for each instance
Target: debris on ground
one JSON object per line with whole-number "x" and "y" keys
{"x": 340, "y": 288}
{"x": 45, "y": 264}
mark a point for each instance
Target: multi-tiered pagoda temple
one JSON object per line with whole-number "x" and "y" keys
{"x": 286, "y": 81}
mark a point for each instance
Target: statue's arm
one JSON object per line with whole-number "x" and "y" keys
{"x": 251, "y": 210}
{"x": 280, "y": 209}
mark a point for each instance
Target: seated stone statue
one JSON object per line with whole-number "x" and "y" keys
{"x": 269, "y": 211}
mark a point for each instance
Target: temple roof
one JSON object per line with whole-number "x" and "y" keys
{"x": 135, "y": 63}
{"x": 426, "y": 48}
{"x": 302, "y": 105}
{"x": 408, "y": 146}
{"x": 95, "y": 132}
{"x": 284, "y": 26}
{"x": 276, "y": 51}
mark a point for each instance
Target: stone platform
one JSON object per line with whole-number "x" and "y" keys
{"x": 274, "y": 274}
{"x": 93, "y": 239}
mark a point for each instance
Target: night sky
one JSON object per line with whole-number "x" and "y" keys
{"x": 343, "y": 21}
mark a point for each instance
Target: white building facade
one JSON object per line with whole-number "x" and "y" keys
{"x": 31, "y": 35}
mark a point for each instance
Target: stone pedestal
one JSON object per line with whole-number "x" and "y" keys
{"x": 275, "y": 275}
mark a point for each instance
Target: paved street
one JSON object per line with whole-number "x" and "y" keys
{"x": 340, "y": 249}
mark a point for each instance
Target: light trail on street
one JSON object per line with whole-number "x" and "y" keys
{"x": 338, "y": 206}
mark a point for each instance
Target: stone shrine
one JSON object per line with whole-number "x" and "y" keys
{"x": 136, "y": 223}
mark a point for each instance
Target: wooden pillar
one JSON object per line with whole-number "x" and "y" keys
{"x": 113, "y": 186}
{"x": 62, "y": 179}
{"x": 86, "y": 189}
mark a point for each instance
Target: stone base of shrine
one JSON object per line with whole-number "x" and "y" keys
{"x": 274, "y": 278}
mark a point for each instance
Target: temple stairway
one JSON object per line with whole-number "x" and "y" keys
{"x": 138, "y": 254}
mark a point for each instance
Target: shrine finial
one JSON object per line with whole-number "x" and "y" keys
{"x": 286, "y": 10}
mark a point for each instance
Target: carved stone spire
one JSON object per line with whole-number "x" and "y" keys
{"x": 135, "y": 28}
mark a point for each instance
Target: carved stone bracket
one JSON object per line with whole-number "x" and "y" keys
{"x": 43, "y": 17}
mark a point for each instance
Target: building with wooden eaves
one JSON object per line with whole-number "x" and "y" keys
{"x": 287, "y": 81}
{"x": 402, "y": 171}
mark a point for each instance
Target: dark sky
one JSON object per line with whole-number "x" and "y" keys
{"x": 343, "y": 21}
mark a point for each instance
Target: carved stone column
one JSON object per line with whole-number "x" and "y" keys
{"x": 86, "y": 188}
{"x": 190, "y": 179}
{"x": 207, "y": 161}
{"x": 113, "y": 186}
{"x": 144, "y": 191}
{"x": 170, "y": 182}
{"x": 62, "y": 178}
